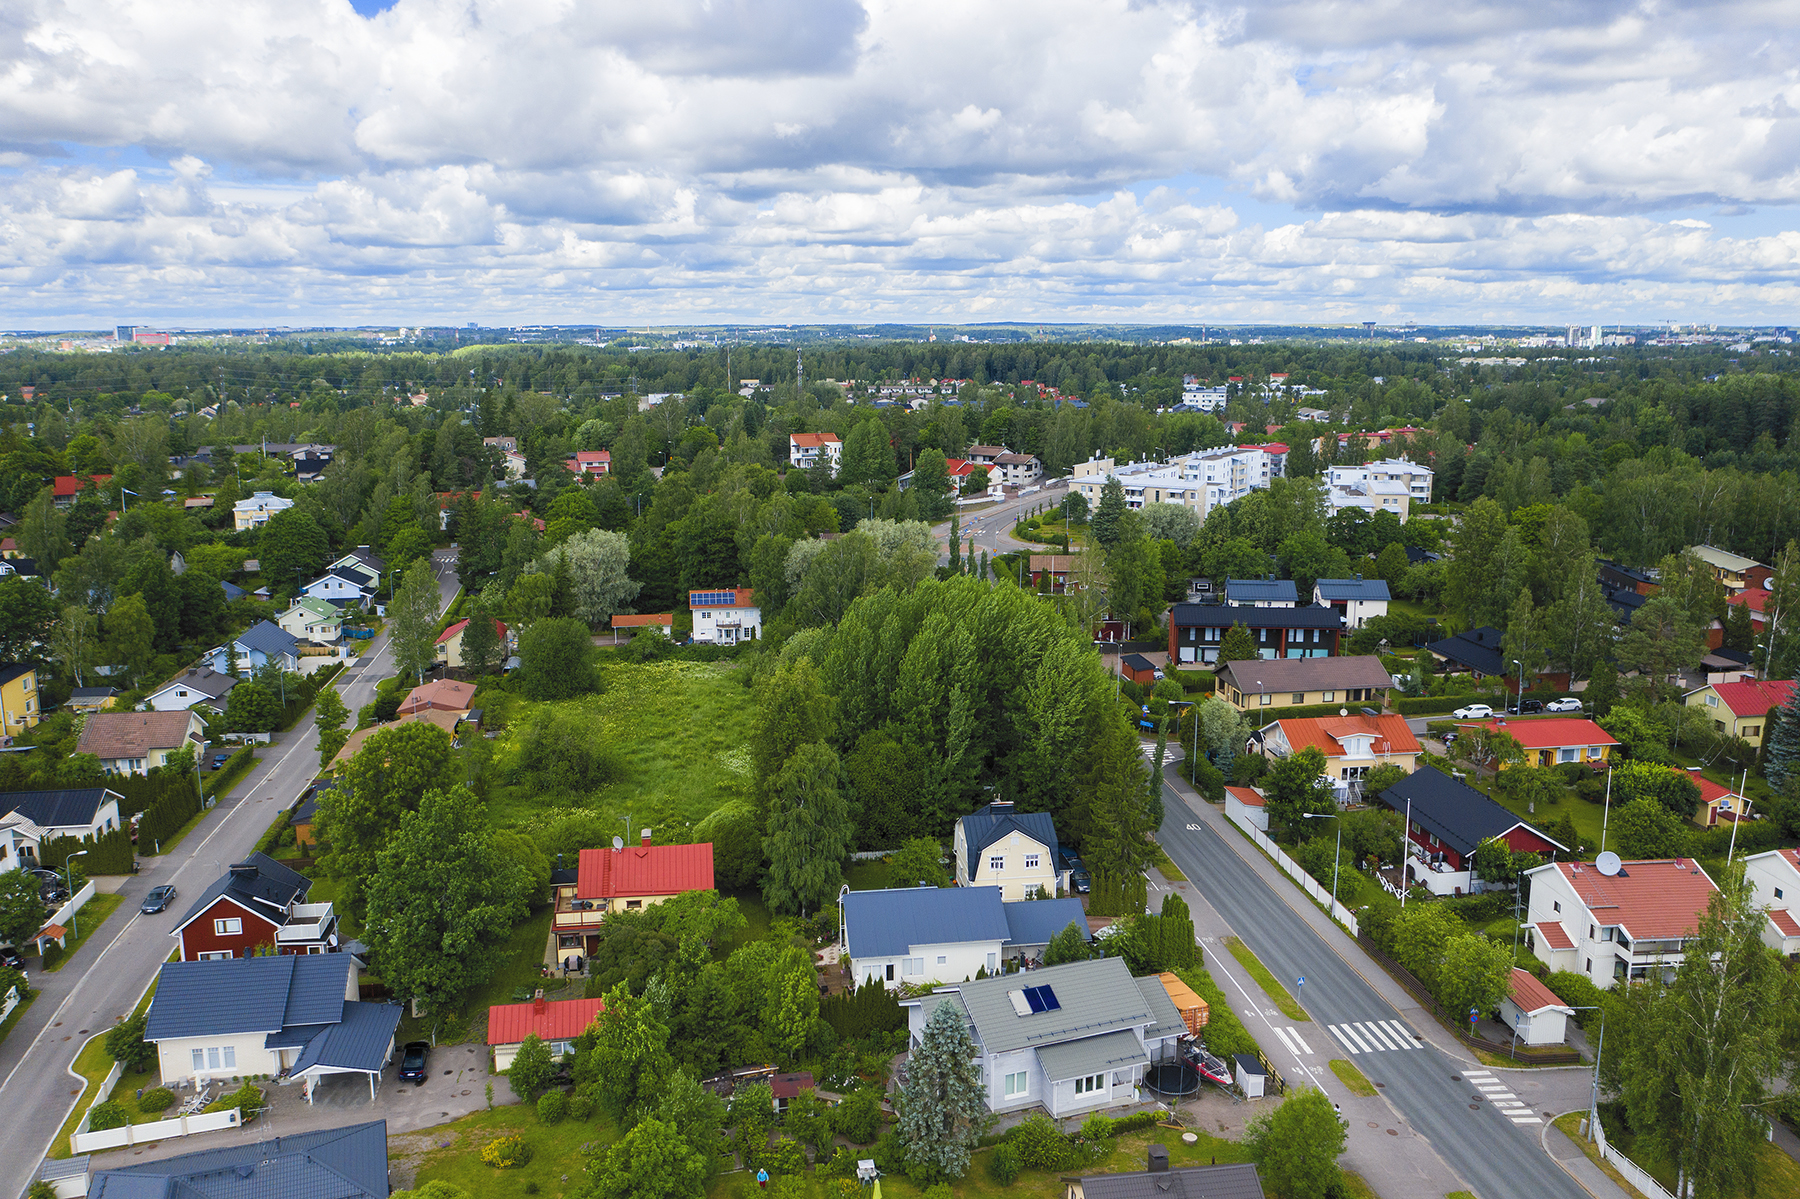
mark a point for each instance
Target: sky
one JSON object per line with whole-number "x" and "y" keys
{"x": 401, "y": 162}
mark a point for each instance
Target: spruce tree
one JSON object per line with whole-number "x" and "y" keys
{"x": 1781, "y": 740}
{"x": 1109, "y": 517}
{"x": 942, "y": 1106}
{"x": 1238, "y": 645}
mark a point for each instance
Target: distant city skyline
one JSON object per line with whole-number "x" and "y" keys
{"x": 432, "y": 162}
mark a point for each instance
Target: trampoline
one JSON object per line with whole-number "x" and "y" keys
{"x": 1174, "y": 1079}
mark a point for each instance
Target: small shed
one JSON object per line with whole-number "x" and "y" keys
{"x": 1138, "y": 669}
{"x": 1193, "y": 1009}
{"x": 785, "y": 1088}
{"x": 1533, "y": 1011}
{"x": 1246, "y": 804}
{"x": 1251, "y": 1077}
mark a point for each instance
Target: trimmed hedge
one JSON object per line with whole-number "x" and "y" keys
{"x": 1194, "y": 682}
{"x": 1265, "y": 716}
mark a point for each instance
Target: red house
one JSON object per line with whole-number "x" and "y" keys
{"x": 556, "y": 1022}
{"x": 259, "y": 906}
{"x": 624, "y": 879}
{"x": 1448, "y": 819}
{"x": 590, "y": 462}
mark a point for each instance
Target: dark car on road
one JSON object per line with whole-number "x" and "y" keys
{"x": 158, "y": 899}
{"x": 10, "y": 957}
{"x": 1531, "y": 705}
{"x": 412, "y": 1061}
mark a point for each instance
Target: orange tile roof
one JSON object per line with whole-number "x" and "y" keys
{"x": 813, "y": 439}
{"x": 638, "y": 622}
{"x": 1554, "y": 933}
{"x": 1246, "y": 796}
{"x": 446, "y": 695}
{"x": 1530, "y": 994}
{"x": 1552, "y": 733}
{"x": 554, "y": 1020}
{"x": 1326, "y": 733}
{"x": 1753, "y": 697}
{"x": 644, "y": 870}
{"x": 1782, "y": 920}
{"x": 1753, "y": 598}
{"x": 1660, "y": 899}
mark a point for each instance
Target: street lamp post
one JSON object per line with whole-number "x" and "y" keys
{"x": 1335, "y": 856}
{"x": 69, "y": 881}
{"x": 1519, "y": 707}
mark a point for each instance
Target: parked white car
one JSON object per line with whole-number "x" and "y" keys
{"x": 1473, "y": 712}
{"x": 1569, "y": 704}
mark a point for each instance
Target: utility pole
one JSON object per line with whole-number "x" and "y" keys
{"x": 799, "y": 374}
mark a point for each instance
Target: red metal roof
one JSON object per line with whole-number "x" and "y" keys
{"x": 638, "y": 622}
{"x": 1553, "y": 733}
{"x": 553, "y": 1020}
{"x": 1530, "y": 994}
{"x": 1555, "y": 935}
{"x": 1754, "y": 697}
{"x": 644, "y": 870}
{"x": 453, "y": 630}
{"x": 1782, "y": 920}
{"x": 789, "y": 1086}
{"x": 1660, "y": 899}
{"x": 67, "y": 485}
{"x": 1246, "y": 796}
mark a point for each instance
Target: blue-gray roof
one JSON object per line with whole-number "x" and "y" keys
{"x": 333, "y": 1163}
{"x": 1251, "y": 591}
{"x": 232, "y": 590}
{"x": 266, "y": 887}
{"x": 360, "y": 1041}
{"x": 1477, "y": 649}
{"x": 984, "y": 826}
{"x": 262, "y": 994}
{"x": 1353, "y": 589}
{"x": 885, "y": 924}
{"x": 1035, "y": 921}
{"x": 1223, "y": 616}
{"x": 267, "y": 638}
{"x": 76, "y": 806}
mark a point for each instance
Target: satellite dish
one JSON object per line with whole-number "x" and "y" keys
{"x": 1343, "y": 711}
{"x": 618, "y": 843}
{"x": 1607, "y": 863}
{"x": 333, "y": 940}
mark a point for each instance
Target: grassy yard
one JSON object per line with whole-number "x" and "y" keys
{"x": 682, "y": 730}
{"x": 556, "y": 1151}
{"x": 1351, "y": 1077}
{"x": 1777, "y": 1174}
{"x": 1267, "y": 981}
{"x": 519, "y": 963}
{"x": 867, "y": 876}
{"x": 95, "y": 910}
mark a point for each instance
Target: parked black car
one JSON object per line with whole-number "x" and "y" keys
{"x": 10, "y": 957}
{"x": 219, "y": 760}
{"x": 1531, "y": 705}
{"x": 412, "y": 1061}
{"x": 158, "y": 899}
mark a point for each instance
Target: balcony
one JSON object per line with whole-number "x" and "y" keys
{"x": 307, "y": 923}
{"x": 572, "y": 913}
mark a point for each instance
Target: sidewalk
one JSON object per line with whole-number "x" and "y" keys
{"x": 1569, "y": 1156}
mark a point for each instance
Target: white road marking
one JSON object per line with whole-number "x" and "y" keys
{"x": 1304, "y": 1047}
{"x": 1286, "y": 1042}
{"x": 1351, "y": 1042}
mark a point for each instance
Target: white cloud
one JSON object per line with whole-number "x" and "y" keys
{"x": 751, "y": 159}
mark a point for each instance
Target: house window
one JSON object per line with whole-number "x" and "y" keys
{"x": 215, "y": 1058}
{"x": 1265, "y": 699}
{"x": 1326, "y": 698}
{"x": 229, "y": 926}
{"x": 1299, "y": 697}
{"x": 1712, "y": 701}
{"x": 1750, "y": 730}
{"x": 942, "y": 959}
{"x": 1777, "y": 892}
{"x": 1016, "y": 1084}
{"x": 1595, "y": 753}
{"x": 1031, "y": 861}
{"x": 993, "y": 962}
{"x": 1567, "y": 754}
{"x": 912, "y": 966}
{"x": 220, "y": 956}
{"x": 632, "y": 904}
{"x": 1557, "y": 907}
{"x": 996, "y": 863}
{"x": 1090, "y": 1084}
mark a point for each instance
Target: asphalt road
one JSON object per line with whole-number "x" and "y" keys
{"x": 1454, "y": 1106}
{"x": 991, "y": 527}
{"x": 112, "y": 970}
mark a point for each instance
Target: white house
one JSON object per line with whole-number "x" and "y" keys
{"x": 1533, "y": 1011}
{"x": 1616, "y": 926}
{"x": 1202, "y": 480}
{"x": 1356, "y": 600}
{"x": 363, "y": 562}
{"x": 1070, "y": 1039}
{"x": 312, "y": 620}
{"x": 1247, "y": 806}
{"x": 943, "y": 935}
{"x": 260, "y": 645}
{"x": 805, "y": 449}
{"x": 725, "y": 617}
{"x": 196, "y": 685}
{"x": 1015, "y": 470}
{"x": 1775, "y": 878}
{"x": 1000, "y": 846}
{"x": 342, "y": 587}
{"x": 221, "y": 1020}
{"x": 30, "y": 818}
{"x": 256, "y": 511}
{"x": 1391, "y": 485}
{"x": 139, "y": 742}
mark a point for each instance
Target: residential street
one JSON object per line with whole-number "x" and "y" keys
{"x": 1431, "y": 1088}
{"x": 111, "y": 971}
{"x": 991, "y": 527}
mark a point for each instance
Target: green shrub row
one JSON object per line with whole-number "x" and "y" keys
{"x": 1225, "y": 1033}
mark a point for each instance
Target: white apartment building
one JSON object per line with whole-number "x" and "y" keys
{"x": 1201, "y": 480}
{"x": 1774, "y": 877}
{"x": 1625, "y": 925}
{"x": 1391, "y": 485}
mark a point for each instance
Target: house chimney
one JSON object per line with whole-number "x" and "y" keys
{"x": 1159, "y": 1159}
{"x": 537, "y": 1008}
{"x": 644, "y": 838}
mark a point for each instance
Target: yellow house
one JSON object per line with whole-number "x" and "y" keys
{"x": 998, "y": 846}
{"x": 1741, "y": 709}
{"x": 1555, "y": 741}
{"x": 18, "y": 699}
{"x": 1287, "y": 682}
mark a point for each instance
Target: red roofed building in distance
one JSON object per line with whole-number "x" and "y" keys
{"x": 1353, "y": 745}
{"x": 1741, "y": 709}
{"x": 626, "y": 879}
{"x": 590, "y": 462}
{"x": 450, "y": 643}
{"x": 556, "y": 1022}
{"x": 66, "y": 488}
{"x": 1774, "y": 877}
{"x": 656, "y": 622}
{"x": 1553, "y": 741}
{"x": 1718, "y": 803}
{"x": 1616, "y": 926}
{"x": 805, "y": 449}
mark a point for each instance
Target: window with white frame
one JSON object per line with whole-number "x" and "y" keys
{"x": 1567, "y": 754}
{"x": 996, "y": 862}
{"x": 993, "y": 962}
{"x": 228, "y": 926}
{"x": 215, "y": 1057}
{"x": 912, "y": 966}
{"x": 1016, "y": 1084}
{"x": 1090, "y": 1084}
{"x": 1595, "y": 752}
{"x": 942, "y": 959}
{"x": 219, "y": 956}
{"x": 1031, "y": 861}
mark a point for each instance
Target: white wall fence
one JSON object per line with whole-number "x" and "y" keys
{"x": 100, "y": 1092}
{"x": 11, "y": 1001}
{"x": 1633, "y": 1173}
{"x": 61, "y": 915}
{"x": 154, "y": 1130}
{"x": 1291, "y": 868}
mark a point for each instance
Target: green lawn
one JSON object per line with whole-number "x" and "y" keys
{"x": 867, "y": 876}
{"x": 683, "y": 730}
{"x": 519, "y": 963}
{"x": 1351, "y": 1077}
{"x": 556, "y": 1150}
{"x": 1267, "y": 981}
{"x": 93, "y": 1065}
{"x": 96, "y": 909}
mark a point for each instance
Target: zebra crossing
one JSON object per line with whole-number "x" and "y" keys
{"x": 1375, "y": 1036}
{"x": 1291, "y": 1038}
{"x": 1503, "y": 1100}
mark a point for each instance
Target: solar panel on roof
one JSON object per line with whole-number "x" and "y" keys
{"x": 1034, "y": 997}
{"x": 1051, "y": 1002}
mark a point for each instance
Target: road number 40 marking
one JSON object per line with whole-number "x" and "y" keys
{"x": 1193, "y": 828}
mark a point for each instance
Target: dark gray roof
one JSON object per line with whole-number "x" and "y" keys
{"x": 1478, "y": 649}
{"x": 1190, "y": 1182}
{"x": 1091, "y": 1055}
{"x": 351, "y": 575}
{"x": 1257, "y": 676}
{"x": 1246, "y": 591}
{"x": 12, "y": 670}
{"x": 93, "y": 692}
{"x": 1035, "y": 921}
{"x": 233, "y": 592}
{"x": 1354, "y": 589}
{"x": 984, "y": 826}
{"x": 203, "y": 679}
{"x": 888, "y": 923}
{"x": 262, "y": 994}
{"x": 1223, "y": 616}
{"x": 1168, "y": 1017}
{"x": 1457, "y": 814}
{"x": 360, "y": 1041}
{"x": 267, "y": 637}
{"x": 1095, "y": 997}
{"x": 268, "y": 891}
{"x": 1138, "y": 662}
{"x": 333, "y": 1163}
{"x": 74, "y": 807}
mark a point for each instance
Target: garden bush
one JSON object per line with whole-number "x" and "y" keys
{"x": 1578, "y": 991}
{"x": 552, "y": 1106}
{"x": 247, "y": 1099}
{"x": 581, "y": 1104}
{"x": 1003, "y": 1165}
{"x": 940, "y": 1191}
{"x": 53, "y": 953}
{"x": 156, "y": 1099}
{"x": 107, "y": 1114}
{"x": 1097, "y": 1127}
{"x": 1133, "y": 1122}
{"x": 503, "y": 1153}
{"x": 1225, "y": 1033}
{"x": 1040, "y": 1146}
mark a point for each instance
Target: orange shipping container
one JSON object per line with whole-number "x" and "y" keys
{"x": 1193, "y": 1009}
